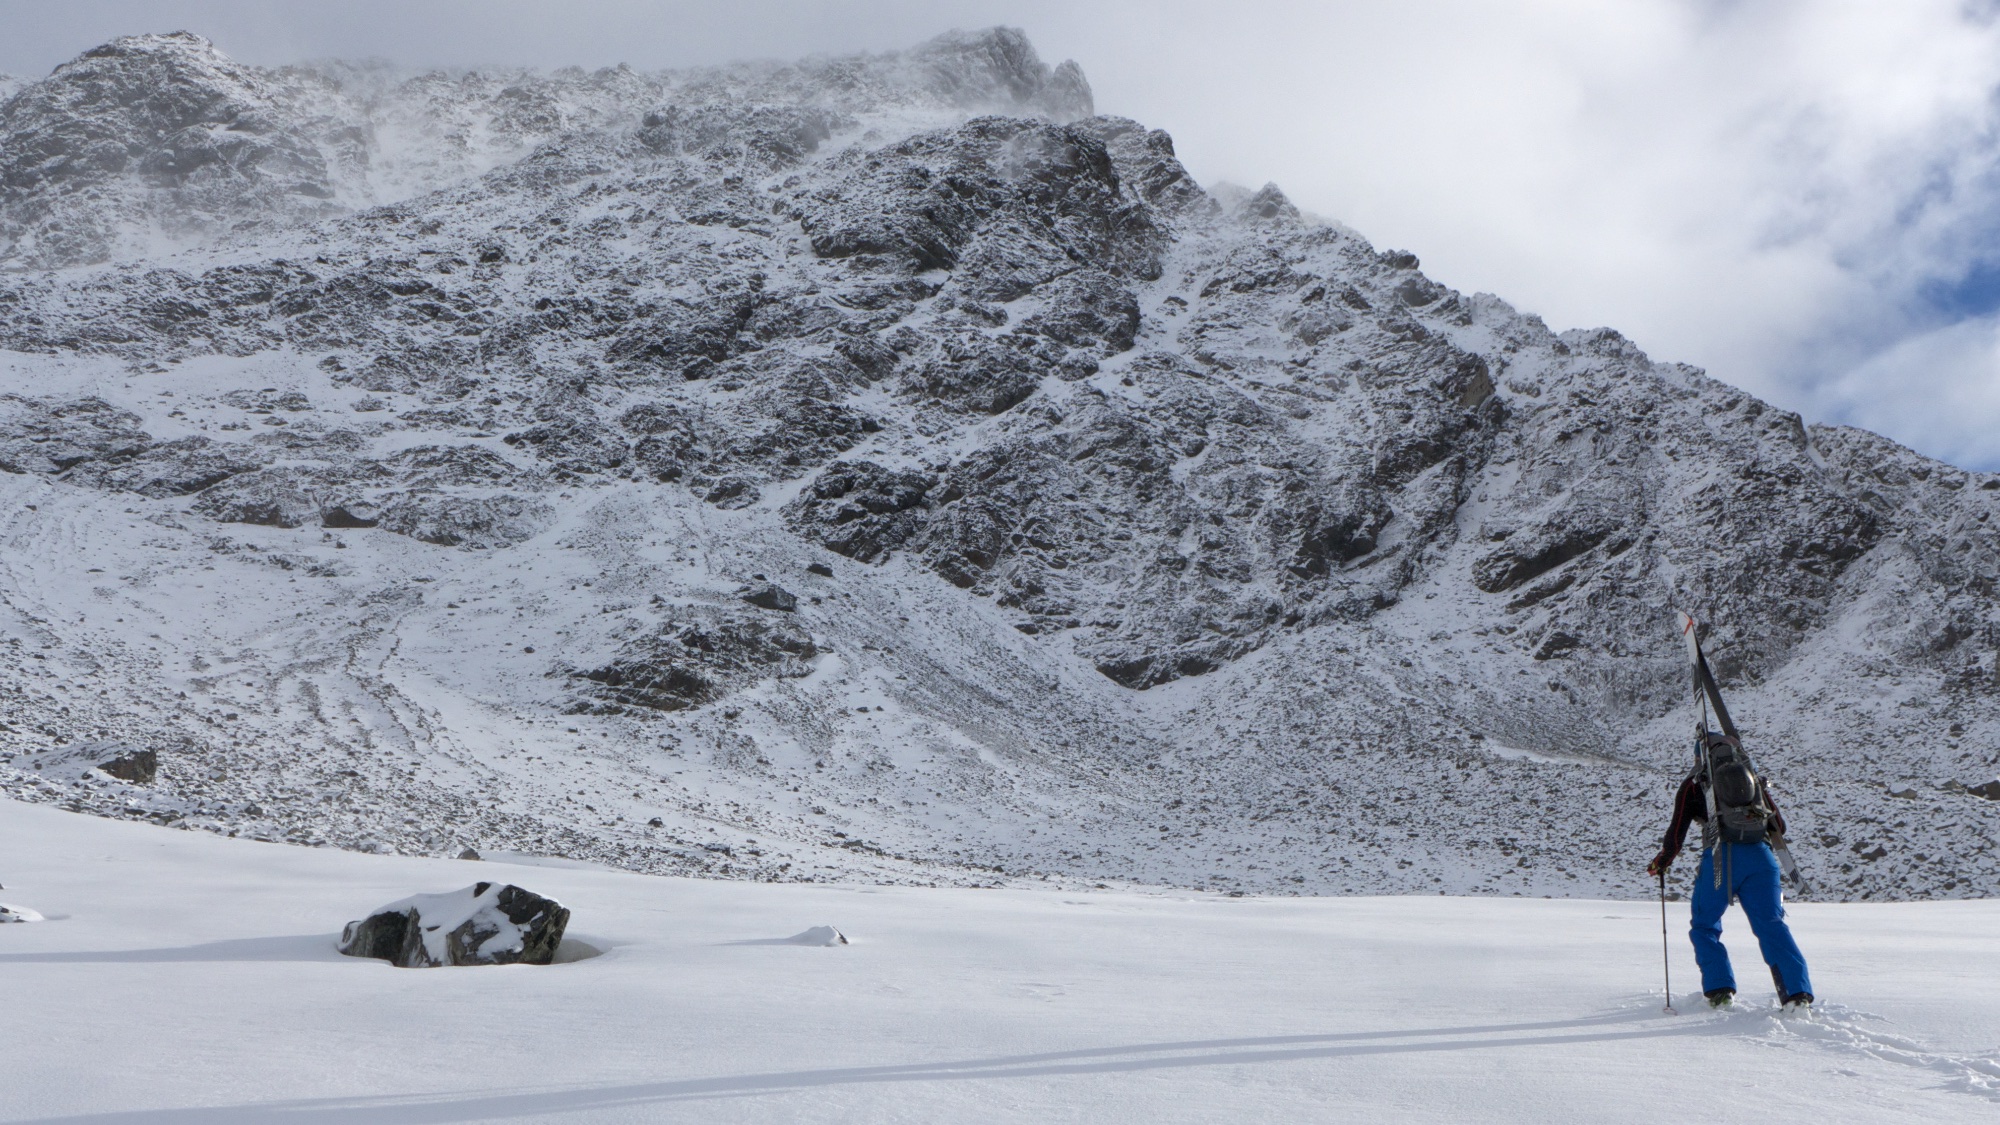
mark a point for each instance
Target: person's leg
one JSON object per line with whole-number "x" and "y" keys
{"x": 1706, "y": 906}
{"x": 1759, "y": 889}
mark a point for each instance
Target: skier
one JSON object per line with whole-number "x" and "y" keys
{"x": 1739, "y": 822}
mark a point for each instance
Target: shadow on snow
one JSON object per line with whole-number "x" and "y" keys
{"x": 290, "y": 947}
{"x": 433, "y": 1109}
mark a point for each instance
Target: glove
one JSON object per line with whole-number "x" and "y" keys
{"x": 1659, "y": 864}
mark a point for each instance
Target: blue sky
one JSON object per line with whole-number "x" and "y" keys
{"x": 1799, "y": 195}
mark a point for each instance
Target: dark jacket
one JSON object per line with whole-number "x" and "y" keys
{"x": 1690, "y": 805}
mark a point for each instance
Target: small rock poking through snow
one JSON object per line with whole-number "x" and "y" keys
{"x": 818, "y": 935}
{"x": 769, "y": 595}
{"x": 12, "y": 913}
{"x": 484, "y": 924}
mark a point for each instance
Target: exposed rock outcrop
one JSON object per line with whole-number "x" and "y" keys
{"x": 700, "y": 656}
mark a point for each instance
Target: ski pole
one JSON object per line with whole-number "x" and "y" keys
{"x": 1666, "y": 962}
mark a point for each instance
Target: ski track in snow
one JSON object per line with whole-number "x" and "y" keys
{"x": 1843, "y": 1030}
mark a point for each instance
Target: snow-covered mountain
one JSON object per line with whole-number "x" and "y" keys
{"x": 884, "y": 465}
{"x": 156, "y": 142}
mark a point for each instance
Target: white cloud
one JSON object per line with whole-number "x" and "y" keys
{"x": 1762, "y": 189}
{"x": 1938, "y": 392}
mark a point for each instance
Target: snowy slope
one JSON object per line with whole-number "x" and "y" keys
{"x": 188, "y": 978}
{"x": 1129, "y": 532}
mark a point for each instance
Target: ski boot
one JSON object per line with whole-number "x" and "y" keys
{"x": 1799, "y": 1003}
{"x": 1720, "y": 997}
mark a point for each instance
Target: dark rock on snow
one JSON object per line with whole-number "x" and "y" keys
{"x": 769, "y": 595}
{"x": 700, "y": 657}
{"x": 484, "y": 924}
{"x": 135, "y": 765}
{"x": 860, "y": 509}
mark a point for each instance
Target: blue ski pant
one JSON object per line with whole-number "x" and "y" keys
{"x": 1750, "y": 876}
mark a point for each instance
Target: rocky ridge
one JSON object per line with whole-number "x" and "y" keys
{"x": 153, "y": 142}
{"x": 806, "y": 471}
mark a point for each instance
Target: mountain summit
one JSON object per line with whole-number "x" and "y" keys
{"x": 155, "y": 142}
{"x": 146, "y": 138}
{"x": 887, "y": 465}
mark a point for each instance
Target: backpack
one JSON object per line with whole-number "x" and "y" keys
{"x": 1737, "y": 813}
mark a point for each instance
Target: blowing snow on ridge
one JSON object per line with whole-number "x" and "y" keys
{"x": 886, "y": 467}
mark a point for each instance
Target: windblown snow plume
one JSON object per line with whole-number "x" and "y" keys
{"x": 883, "y": 466}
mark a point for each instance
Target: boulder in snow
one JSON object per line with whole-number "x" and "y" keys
{"x": 133, "y": 765}
{"x": 11, "y": 913}
{"x": 77, "y": 760}
{"x": 769, "y": 595}
{"x": 818, "y": 935}
{"x": 484, "y": 924}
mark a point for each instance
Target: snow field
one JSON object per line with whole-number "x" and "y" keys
{"x": 185, "y": 977}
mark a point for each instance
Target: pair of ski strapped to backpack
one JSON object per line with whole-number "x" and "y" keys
{"x": 1738, "y": 812}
